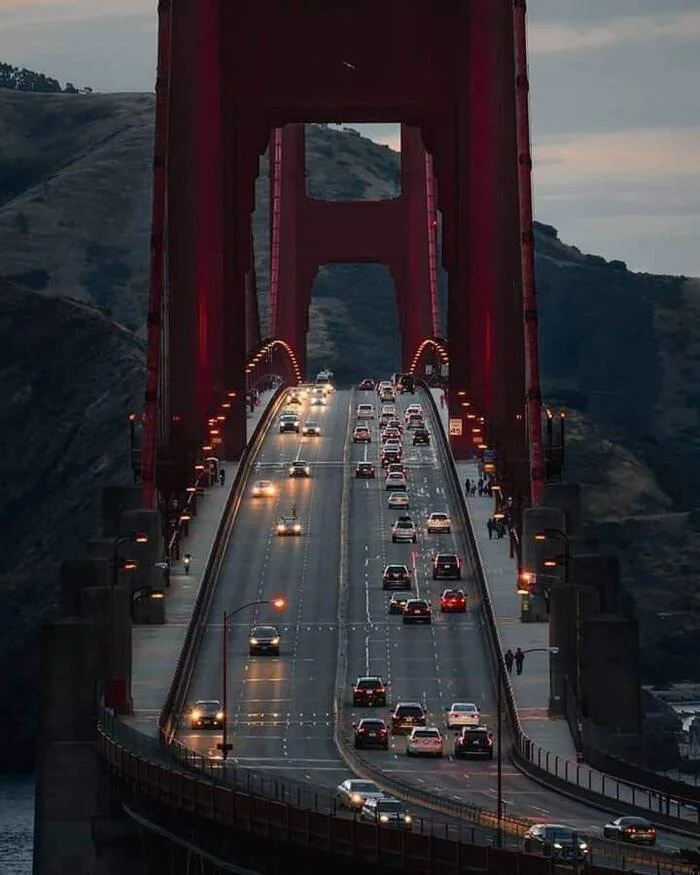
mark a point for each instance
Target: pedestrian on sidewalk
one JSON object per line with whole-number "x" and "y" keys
{"x": 467, "y": 487}
{"x": 489, "y": 526}
{"x": 508, "y": 657}
{"x": 222, "y": 476}
{"x": 186, "y": 559}
{"x": 519, "y": 660}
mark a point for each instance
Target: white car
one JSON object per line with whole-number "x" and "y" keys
{"x": 424, "y": 741}
{"x": 398, "y": 499}
{"x": 404, "y": 529}
{"x": 318, "y": 401}
{"x": 462, "y": 714}
{"x": 413, "y": 410}
{"x": 438, "y": 522}
{"x": 365, "y": 411}
{"x": 389, "y": 410}
{"x": 263, "y": 489}
{"x": 353, "y": 793}
{"x": 311, "y": 429}
{"x": 394, "y": 481}
{"x": 288, "y": 525}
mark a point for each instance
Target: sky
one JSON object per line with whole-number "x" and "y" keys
{"x": 614, "y": 96}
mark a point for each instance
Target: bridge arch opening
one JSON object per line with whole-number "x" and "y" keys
{"x": 347, "y": 162}
{"x": 347, "y": 300}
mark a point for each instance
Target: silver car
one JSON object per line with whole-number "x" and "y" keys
{"x": 438, "y": 522}
{"x": 424, "y": 741}
{"x": 353, "y": 793}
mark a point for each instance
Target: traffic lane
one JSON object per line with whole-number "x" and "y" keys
{"x": 301, "y": 726}
{"x": 259, "y": 564}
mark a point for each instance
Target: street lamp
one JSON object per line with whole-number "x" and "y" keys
{"x": 279, "y": 604}
{"x": 114, "y": 691}
{"x": 499, "y": 736}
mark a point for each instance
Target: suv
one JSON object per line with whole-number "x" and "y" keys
{"x": 364, "y": 469}
{"x": 390, "y": 456}
{"x": 365, "y": 411}
{"x": 421, "y": 437}
{"x": 404, "y": 529}
{"x": 447, "y": 566}
{"x": 289, "y": 422}
{"x": 371, "y": 732}
{"x": 206, "y": 715}
{"x": 405, "y": 716}
{"x": 369, "y": 691}
{"x": 396, "y": 577}
{"x": 438, "y": 521}
{"x": 474, "y": 741}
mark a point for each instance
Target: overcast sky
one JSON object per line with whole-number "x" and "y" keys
{"x": 615, "y": 101}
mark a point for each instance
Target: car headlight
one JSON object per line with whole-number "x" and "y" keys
{"x": 356, "y": 798}
{"x": 253, "y": 640}
{"x": 297, "y": 528}
{"x": 196, "y": 714}
{"x": 557, "y": 846}
{"x": 407, "y": 818}
{"x": 291, "y": 470}
{"x": 219, "y": 715}
{"x": 280, "y": 528}
{"x": 275, "y": 641}
{"x": 384, "y": 818}
{"x": 583, "y": 846}
{"x": 307, "y": 470}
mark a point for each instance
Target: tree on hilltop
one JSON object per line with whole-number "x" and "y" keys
{"x": 21, "y": 79}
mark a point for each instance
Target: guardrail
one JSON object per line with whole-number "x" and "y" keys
{"x": 606, "y": 792}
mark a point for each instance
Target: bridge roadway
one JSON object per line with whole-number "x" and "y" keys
{"x": 280, "y": 708}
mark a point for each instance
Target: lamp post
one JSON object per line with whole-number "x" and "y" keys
{"x": 280, "y": 604}
{"x": 560, "y": 535}
{"x": 499, "y": 736}
{"x": 114, "y": 691}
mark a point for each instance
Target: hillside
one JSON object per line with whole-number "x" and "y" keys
{"x": 619, "y": 351}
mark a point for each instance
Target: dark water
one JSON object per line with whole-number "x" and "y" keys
{"x": 16, "y": 824}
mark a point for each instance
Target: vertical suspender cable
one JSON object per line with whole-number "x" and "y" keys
{"x": 275, "y": 220}
{"x": 432, "y": 244}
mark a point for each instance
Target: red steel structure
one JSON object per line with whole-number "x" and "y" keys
{"x": 237, "y": 78}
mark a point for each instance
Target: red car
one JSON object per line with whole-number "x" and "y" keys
{"x": 453, "y": 601}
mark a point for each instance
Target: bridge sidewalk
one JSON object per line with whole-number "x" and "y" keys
{"x": 155, "y": 649}
{"x": 531, "y": 688}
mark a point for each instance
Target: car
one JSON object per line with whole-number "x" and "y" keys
{"x": 421, "y": 437}
{"x": 414, "y": 422}
{"x": 384, "y": 420}
{"x": 311, "y": 429}
{"x": 636, "y": 830}
{"x": 365, "y": 411}
{"x": 318, "y": 401}
{"x": 396, "y": 577}
{"x": 555, "y": 840}
{"x": 395, "y": 481}
{"x": 413, "y": 410}
{"x": 387, "y": 394}
{"x": 474, "y": 741}
{"x": 324, "y": 375}
{"x": 390, "y": 456}
{"x": 447, "y": 566}
{"x": 366, "y": 385}
{"x": 299, "y": 468}
{"x": 395, "y": 425}
{"x": 354, "y": 792}
{"x": 364, "y": 469}
{"x": 397, "y": 602}
{"x": 424, "y": 741}
{"x": 371, "y": 732}
{"x": 392, "y": 434}
{"x": 294, "y": 398}
{"x": 438, "y": 521}
{"x": 263, "y": 489}
{"x": 398, "y": 500}
{"x": 404, "y": 530}
{"x": 288, "y": 525}
{"x": 388, "y": 410}
{"x": 264, "y": 639}
{"x": 386, "y": 812}
{"x": 417, "y": 611}
{"x": 453, "y": 601}
{"x": 361, "y": 435}
{"x": 395, "y": 468}
{"x": 289, "y": 422}
{"x": 369, "y": 691}
{"x": 462, "y": 714}
{"x": 405, "y": 716}
{"x": 206, "y": 714}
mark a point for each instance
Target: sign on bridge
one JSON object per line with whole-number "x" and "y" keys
{"x": 455, "y": 428}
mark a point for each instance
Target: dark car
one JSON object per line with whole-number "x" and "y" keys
{"x": 387, "y": 813}
{"x": 371, "y": 732}
{"x": 364, "y": 470}
{"x": 397, "y": 603}
{"x": 453, "y": 601}
{"x": 369, "y": 691}
{"x": 636, "y": 830}
{"x": 396, "y": 577}
{"x": 289, "y": 422}
{"x": 417, "y": 611}
{"x": 405, "y": 716}
{"x": 447, "y": 566}
{"x": 390, "y": 455}
{"x": 206, "y": 714}
{"x": 366, "y": 385}
{"x": 421, "y": 437}
{"x": 556, "y": 841}
{"x": 474, "y": 741}
{"x": 264, "y": 639}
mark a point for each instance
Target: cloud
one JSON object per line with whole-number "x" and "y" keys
{"x": 558, "y": 37}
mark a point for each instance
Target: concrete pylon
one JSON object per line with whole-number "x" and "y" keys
{"x": 116, "y": 500}
{"x": 110, "y": 610}
{"x": 76, "y": 575}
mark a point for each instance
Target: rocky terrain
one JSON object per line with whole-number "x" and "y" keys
{"x": 619, "y": 353}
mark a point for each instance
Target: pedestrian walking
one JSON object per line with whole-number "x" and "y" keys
{"x": 467, "y": 486}
{"x": 222, "y": 476}
{"x": 509, "y": 658}
{"x": 186, "y": 559}
{"x": 519, "y": 660}
{"x": 489, "y": 526}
